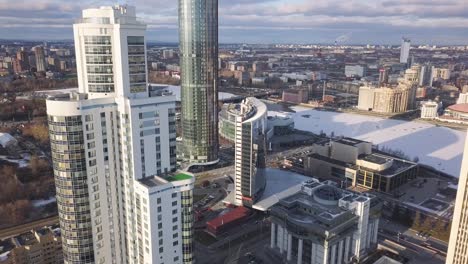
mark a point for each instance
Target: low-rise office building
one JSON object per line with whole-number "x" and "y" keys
{"x": 323, "y": 224}
{"x": 296, "y": 96}
{"x": 353, "y": 161}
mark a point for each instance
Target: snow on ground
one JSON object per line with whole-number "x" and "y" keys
{"x": 58, "y": 91}
{"x": 439, "y": 147}
{"x": 40, "y": 203}
{"x": 4, "y": 256}
{"x": 176, "y": 91}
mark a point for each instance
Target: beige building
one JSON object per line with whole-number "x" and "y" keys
{"x": 42, "y": 246}
{"x": 441, "y": 73}
{"x": 458, "y": 246}
{"x": 413, "y": 74}
{"x": 396, "y": 99}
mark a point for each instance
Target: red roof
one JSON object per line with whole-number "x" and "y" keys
{"x": 463, "y": 108}
{"x": 234, "y": 215}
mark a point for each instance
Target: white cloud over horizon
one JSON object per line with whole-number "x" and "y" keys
{"x": 263, "y": 21}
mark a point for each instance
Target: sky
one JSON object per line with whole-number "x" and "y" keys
{"x": 434, "y": 22}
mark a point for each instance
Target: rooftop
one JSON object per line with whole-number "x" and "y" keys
{"x": 320, "y": 207}
{"x": 350, "y": 141}
{"x": 26, "y": 239}
{"x": 375, "y": 159}
{"x": 232, "y": 216}
{"x": 161, "y": 180}
{"x": 179, "y": 177}
{"x": 397, "y": 167}
{"x": 386, "y": 260}
{"x": 462, "y": 108}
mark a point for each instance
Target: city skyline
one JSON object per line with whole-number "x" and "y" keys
{"x": 267, "y": 21}
{"x": 116, "y": 149}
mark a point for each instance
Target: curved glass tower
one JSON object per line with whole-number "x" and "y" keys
{"x": 198, "y": 25}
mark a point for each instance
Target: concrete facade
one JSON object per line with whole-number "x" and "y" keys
{"x": 250, "y": 150}
{"x": 107, "y": 140}
{"x": 323, "y": 224}
{"x": 353, "y": 161}
{"x": 458, "y": 246}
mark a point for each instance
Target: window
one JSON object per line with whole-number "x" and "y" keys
{"x": 135, "y": 40}
{"x": 174, "y": 219}
{"x": 174, "y": 228}
{"x": 160, "y": 233}
{"x": 159, "y": 209}
{"x": 174, "y": 203}
{"x": 175, "y": 243}
{"x": 159, "y": 200}
{"x": 161, "y": 250}
{"x": 174, "y": 211}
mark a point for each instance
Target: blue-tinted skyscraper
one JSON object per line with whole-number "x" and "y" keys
{"x": 198, "y": 25}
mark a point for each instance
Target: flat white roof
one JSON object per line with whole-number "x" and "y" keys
{"x": 280, "y": 184}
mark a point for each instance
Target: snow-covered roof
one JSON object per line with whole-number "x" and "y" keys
{"x": 6, "y": 139}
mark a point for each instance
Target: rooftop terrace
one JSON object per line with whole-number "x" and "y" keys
{"x": 158, "y": 181}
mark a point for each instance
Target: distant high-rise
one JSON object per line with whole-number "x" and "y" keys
{"x": 383, "y": 76}
{"x": 458, "y": 245}
{"x": 40, "y": 59}
{"x": 425, "y": 77}
{"x": 405, "y": 50}
{"x": 198, "y": 25}
{"x": 22, "y": 61}
{"x": 114, "y": 152}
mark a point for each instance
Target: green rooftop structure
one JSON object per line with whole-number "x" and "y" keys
{"x": 179, "y": 177}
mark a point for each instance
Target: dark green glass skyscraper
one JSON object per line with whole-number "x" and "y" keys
{"x": 198, "y": 29}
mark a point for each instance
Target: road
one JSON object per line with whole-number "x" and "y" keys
{"x": 419, "y": 252}
{"x": 16, "y": 230}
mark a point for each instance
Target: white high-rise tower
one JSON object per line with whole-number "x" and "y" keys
{"x": 405, "y": 50}
{"x": 458, "y": 244}
{"x": 113, "y": 149}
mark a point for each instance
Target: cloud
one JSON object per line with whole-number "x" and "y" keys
{"x": 263, "y": 21}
